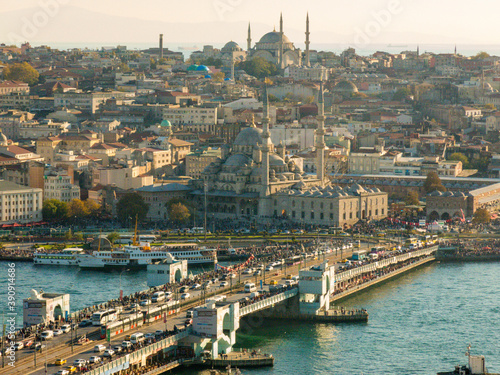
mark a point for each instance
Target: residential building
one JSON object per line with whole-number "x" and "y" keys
{"x": 59, "y": 185}
{"x": 19, "y": 204}
{"x": 190, "y": 115}
{"x": 158, "y": 195}
{"x": 197, "y": 161}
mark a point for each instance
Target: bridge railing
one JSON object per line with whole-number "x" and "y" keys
{"x": 371, "y": 267}
{"x": 124, "y": 362}
{"x": 265, "y": 303}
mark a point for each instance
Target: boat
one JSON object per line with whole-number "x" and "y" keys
{"x": 476, "y": 366}
{"x": 66, "y": 257}
{"x": 141, "y": 255}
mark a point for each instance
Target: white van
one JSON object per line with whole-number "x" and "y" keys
{"x": 137, "y": 338}
{"x": 47, "y": 335}
{"x": 254, "y": 295}
{"x": 158, "y": 296}
{"x": 250, "y": 287}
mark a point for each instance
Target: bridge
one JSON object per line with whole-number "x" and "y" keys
{"x": 215, "y": 323}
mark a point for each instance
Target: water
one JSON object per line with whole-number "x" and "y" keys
{"x": 86, "y": 287}
{"x": 419, "y": 323}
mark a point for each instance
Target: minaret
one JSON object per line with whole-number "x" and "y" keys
{"x": 266, "y": 148}
{"x": 281, "y": 59}
{"x": 249, "y": 38}
{"x": 418, "y": 51}
{"x": 161, "y": 46}
{"x": 232, "y": 69}
{"x": 320, "y": 138}
{"x": 308, "y": 61}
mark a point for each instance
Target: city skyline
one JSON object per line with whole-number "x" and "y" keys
{"x": 218, "y": 21}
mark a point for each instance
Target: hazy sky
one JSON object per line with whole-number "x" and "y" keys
{"x": 217, "y": 21}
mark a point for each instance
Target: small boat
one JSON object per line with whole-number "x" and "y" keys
{"x": 476, "y": 366}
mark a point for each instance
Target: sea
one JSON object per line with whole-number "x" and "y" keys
{"x": 363, "y": 50}
{"x": 419, "y": 323}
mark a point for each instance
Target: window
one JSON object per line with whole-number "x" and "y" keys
{"x": 312, "y": 215}
{"x": 302, "y": 215}
{"x": 331, "y": 216}
{"x": 321, "y": 216}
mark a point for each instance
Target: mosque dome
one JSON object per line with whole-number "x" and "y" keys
{"x": 248, "y": 137}
{"x": 275, "y": 160}
{"x": 274, "y": 37}
{"x": 238, "y": 160}
{"x": 192, "y": 68}
{"x": 165, "y": 123}
{"x": 346, "y": 87}
{"x": 231, "y": 47}
{"x": 202, "y": 68}
{"x": 3, "y": 139}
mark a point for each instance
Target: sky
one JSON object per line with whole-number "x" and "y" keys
{"x": 359, "y": 22}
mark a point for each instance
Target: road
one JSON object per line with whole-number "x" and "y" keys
{"x": 59, "y": 347}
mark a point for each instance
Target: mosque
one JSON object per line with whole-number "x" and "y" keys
{"x": 255, "y": 179}
{"x": 274, "y": 47}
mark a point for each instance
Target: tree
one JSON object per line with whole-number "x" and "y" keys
{"x": 218, "y": 77}
{"x": 21, "y": 72}
{"x": 458, "y": 156}
{"x": 401, "y": 94}
{"x": 433, "y": 182}
{"x": 481, "y": 55}
{"x": 131, "y": 205}
{"x": 77, "y": 209}
{"x": 178, "y": 212}
{"x": 92, "y": 207}
{"x": 258, "y": 67}
{"x": 112, "y": 237}
{"x": 481, "y": 216}
{"x": 412, "y": 198}
{"x": 53, "y": 209}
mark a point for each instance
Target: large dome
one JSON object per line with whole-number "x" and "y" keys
{"x": 275, "y": 160}
{"x": 274, "y": 37}
{"x": 231, "y": 46}
{"x": 248, "y": 137}
{"x": 345, "y": 87}
{"x": 238, "y": 160}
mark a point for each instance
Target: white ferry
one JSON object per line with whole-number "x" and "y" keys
{"x": 66, "y": 257}
{"x": 141, "y": 256}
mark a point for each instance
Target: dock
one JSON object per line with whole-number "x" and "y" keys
{"x": 239, "y": 359}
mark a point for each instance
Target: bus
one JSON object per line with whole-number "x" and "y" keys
{"x": 359, "y": 255}
{"x": 127, "y": 323}
{"x": 126, "y": 239}
{"x": 377, "y": 250}
{"x": 292, "y": 261}
{"x": 335, "y": 230}
{"x": 411, "y": 241}
{"x": 147, "y": 238}
{"x": 104, "y": 317}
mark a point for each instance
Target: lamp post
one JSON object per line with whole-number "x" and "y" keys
{"x": 121, "y": 291}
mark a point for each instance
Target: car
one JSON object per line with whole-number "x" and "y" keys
{"x": 66, "y": 328}
{"x": 185, "y": 295}
{"x": 232, "y": 275}
{"x": 99, "y": 348}
{"x": 85, "y": 323}
{"x": 188, "y": 321}
{"x": 223, "y": 284}
{"x": 190, "y": 313}
{"x": 71, "y": 369}
{"x": 257, "y": 273}
{"x": 108, "y": 353}
{"x": 168, "y": 294}
{"x": 184, "y": 289}
{"x": 215, "y": 280}
{"x": 134, "y": 306}
{"x": 126, "y": 344}
{"x": 149, "y": 336}
{"x": 273, "y": 282}
{"x": 248, "y": 271}
{"x": 79, "y": 363}
{"x": 269, "y": 268}
{"x": 18, "y": 346}
{"x": 28, "y": 343}
{"x": 39, "y": 347}
{"x": 145, "y": 302}
{"x": 195, "y": 286}
{"x": 117, "y": 348}
{"x": 95, "y": 359}
{"x": 159, "y": 332}
{"x": 62, "y": 372}
{"x": 127, "y": 338}
{"x": 58, "y": 332}
{"x": 60, "y": 362}
{"x": 207, "y": 283}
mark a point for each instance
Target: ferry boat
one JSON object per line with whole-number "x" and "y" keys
{"x": 66, "y": 257}
{"x": 141, "y": 255}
